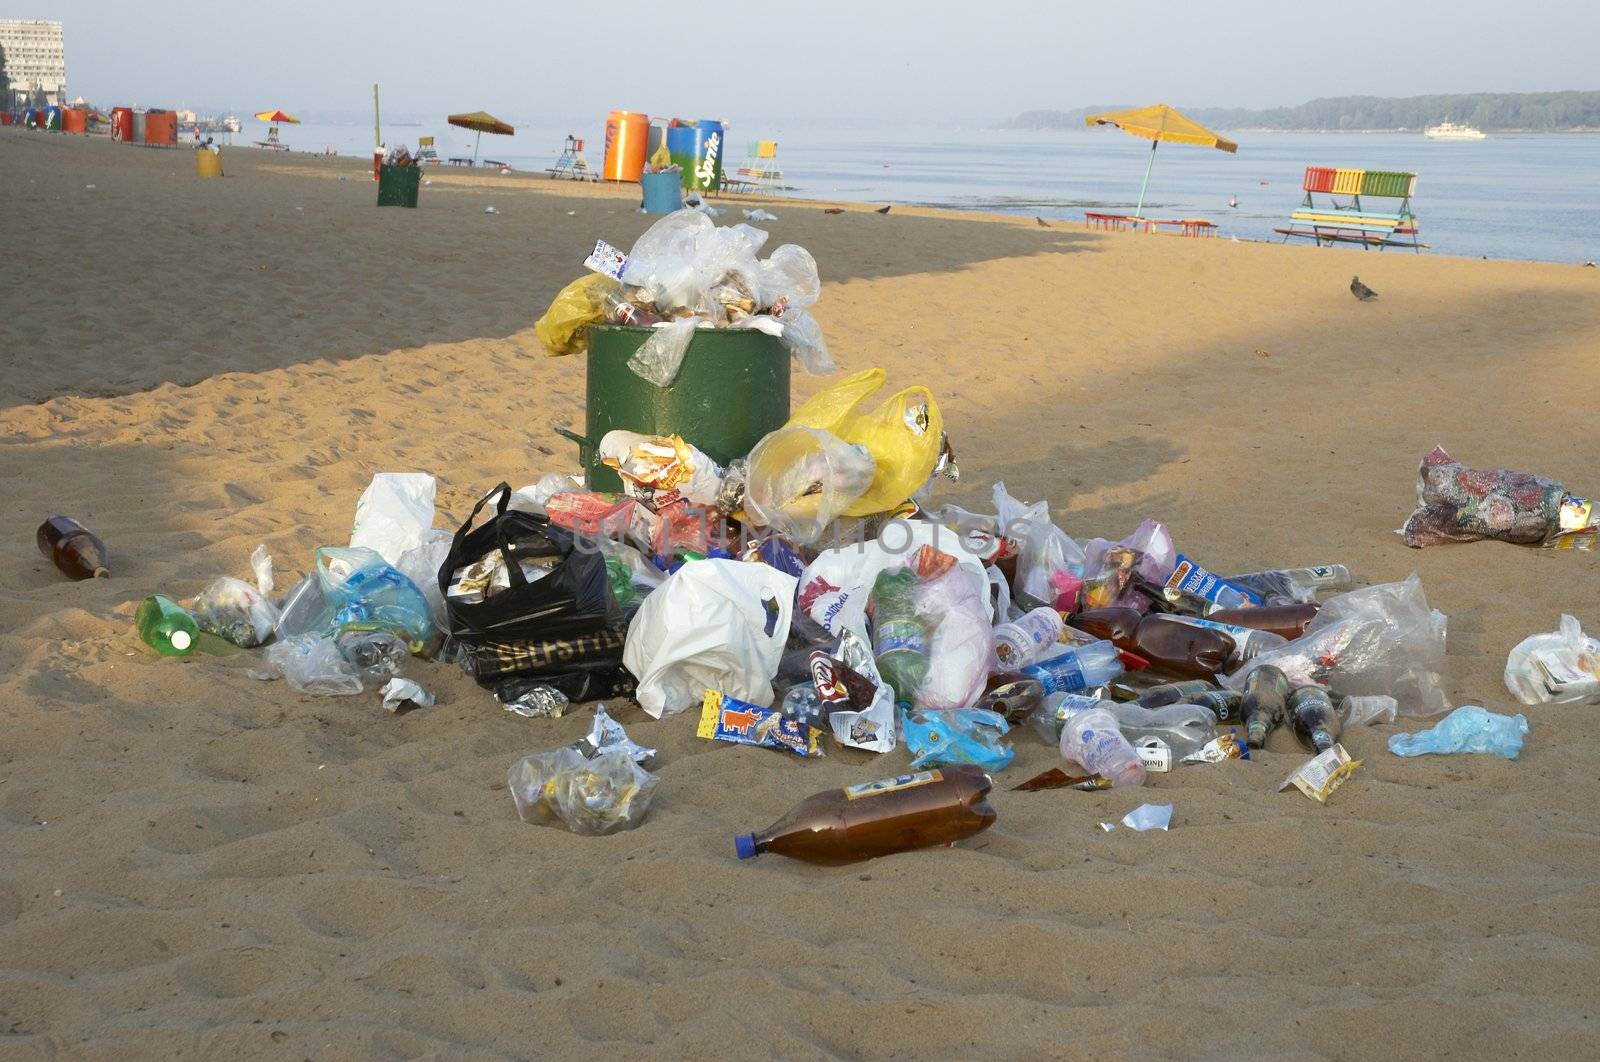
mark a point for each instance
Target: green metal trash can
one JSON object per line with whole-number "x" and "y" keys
{"x": 732, "y": 390}
{"x": 397, "y": 185}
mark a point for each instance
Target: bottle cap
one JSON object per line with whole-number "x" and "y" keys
{"x": 745, "y": 845}
{"x": 180, "y": 639}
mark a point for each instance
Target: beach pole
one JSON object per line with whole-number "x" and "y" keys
{"x": 377, "y": 137}
{"x": 1138, "y": 211}
{"x": 475, "y": 145}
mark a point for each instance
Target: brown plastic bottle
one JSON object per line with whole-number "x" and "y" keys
{"x": 873, "y": 819}
{"x": 1287, "y": 620}
{"x": 73, "y": 548}
{"x": 1172, "y": 646}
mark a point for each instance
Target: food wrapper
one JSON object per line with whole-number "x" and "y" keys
{"x": 660, "y": 469}
{"x": 538, "y": 702}
{"x": 592, "y": 514}
{"x": 873, "y": 727}
{"x": 1319, "y": 776}
{"x": 1229, "y": 746}
{"x": 607, "y": 260}
{"x": 723, "y": 718}
{"x": 1056, "y": 778}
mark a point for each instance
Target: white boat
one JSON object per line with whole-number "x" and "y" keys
{"x": 1452, "y": 131}
{"x": 231, "y": 124}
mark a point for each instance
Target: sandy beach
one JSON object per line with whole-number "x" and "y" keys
{"x": 202, "y": 864}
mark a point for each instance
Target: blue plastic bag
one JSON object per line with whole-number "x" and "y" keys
{"x": 366, "y": 593}
{"x": 1467, "y": 729}
{"x": 961, "y": 735}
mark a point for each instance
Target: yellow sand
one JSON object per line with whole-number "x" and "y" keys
{"x": 198, "y": 863}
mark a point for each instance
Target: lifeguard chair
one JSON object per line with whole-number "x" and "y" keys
{"x": 426, "y": 151}
{"x": 760, "y": 172}
{"x": 572, "y": 165}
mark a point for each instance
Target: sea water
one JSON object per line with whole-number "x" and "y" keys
{"x": 1531, "y": 196}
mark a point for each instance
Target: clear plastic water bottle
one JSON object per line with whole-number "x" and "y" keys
{"x": 1079, "y": 668}
{"x": 1092, "y": 740}
{"x": 1025, "y": 640}
{"x": 900, "y": 635}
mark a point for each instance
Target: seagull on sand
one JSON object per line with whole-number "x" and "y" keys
{"x": 1043, "y": 224}
{"x": 1361, "y": 291}
{"x": 882, "y": 210}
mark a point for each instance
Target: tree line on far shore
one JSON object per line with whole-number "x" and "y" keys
{"x": 1489, "y": 111}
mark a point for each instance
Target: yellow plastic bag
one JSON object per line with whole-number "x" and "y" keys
{"x": 562, "y": 329}
{"x": 903, "y": 434}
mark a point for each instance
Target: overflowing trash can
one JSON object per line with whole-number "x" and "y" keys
{"x": 398, "y": 185}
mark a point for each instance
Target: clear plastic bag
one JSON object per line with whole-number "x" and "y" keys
{"x": 1376, "y": 640}
{"x": 363, "y": 593}
{"x": 394, "y": 513}
{"x": 789, "y": 280}
{"x": 233, "y": 609}
{"x": 534, "y": 498}
{"x": 421, "y": 564}
{"x": 1561, "y": 667}
{"x": 961, "y": 646}
{"x": 1153, "y": 558}
{"x": 592, "y": 796}
{"x": 312, "y": 663}
{"x": 659, "y": 357}
{"x": 261, "y": 565}
{"x": 1049, "y": 562}
{"x": 799, "y": 480}
{"x": 902, "y": 434}
{"x": 802, "y": 338}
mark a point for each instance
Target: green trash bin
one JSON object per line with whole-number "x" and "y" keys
{"x": 397, "y": 185}
{"x": 732, "y": 390}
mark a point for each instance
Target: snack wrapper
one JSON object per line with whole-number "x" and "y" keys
{"x": 1319, "y": 776}
{"x": 873, "y": 727}
{"x": 660, "y": 469}
{"x": 724, "y": 718}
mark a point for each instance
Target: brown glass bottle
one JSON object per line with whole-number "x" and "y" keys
{"x": 841, "y": 826}
{"x": 1287, "y": 620}
{"x": 73, "y": 548}
{"x": 1172, "y": 646}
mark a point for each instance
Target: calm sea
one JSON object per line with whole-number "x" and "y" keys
{"x": 1510, "y": 196}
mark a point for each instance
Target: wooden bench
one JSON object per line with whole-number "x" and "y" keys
{"x": 1185, "y": 226}
{"x": 1350, "y": 222}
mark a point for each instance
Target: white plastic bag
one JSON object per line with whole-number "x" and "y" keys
{"x": 714, "y": 624}
{"x": 534, "y": 497}
{"x": 1561, "y": 667}
{"x": 961, "y": 648}
{"x": 393, "y": 513}
{"x": 659, "y": 357}
{"x": 802, "y": 337}
{"x": 799, "y": 480}
{"x": 1376, "y": 640}
{"x": 834, "y": 587}
{"x": 261, "y": 564}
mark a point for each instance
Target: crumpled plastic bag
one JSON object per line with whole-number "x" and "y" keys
{"x": 1108, "y": 567}
{"x": 594, "y": 786}
{"x": 401, "y": 691}
{"x": 363, "y": 593}
{"x": 421, "y": 564}
{"x": 714, "y": 624}
{"x": 564, "y": 328}
{"x": 1562, "y": 667}
{"x": 967, "y": 735}
{"x": 834, "y": 587}
{"x": 1050, "y": 564}
{"x": 903, "y": 434}
{"x": 261, "y": 565}
{"x": 1376, "y": 640}
{"x": 1467, "y": 729}
{"x": 1460, "y": 504}
{"x": 534, "y": 497}
{"x": 802, "y": 338}
{"x": 961, "y": 645}
{"x": 799, "y": 480}
{"x": 312, "y": 663}
{"x": 394, "y": 513}
{"x": 233, "y": 609}
{"x": 660, "y": 356}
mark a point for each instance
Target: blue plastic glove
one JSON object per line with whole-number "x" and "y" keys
{"x": 1467, "y": 729}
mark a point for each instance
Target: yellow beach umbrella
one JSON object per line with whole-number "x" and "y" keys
{"x": 1157, "y": 123}
{"x": 482, "y": 122}
{"x": 276, "y": 118}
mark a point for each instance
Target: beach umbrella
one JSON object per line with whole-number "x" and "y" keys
{"x": 482, "y": 122}
{"x": 276, "y": 118}
{"x": 1157, "y": 123}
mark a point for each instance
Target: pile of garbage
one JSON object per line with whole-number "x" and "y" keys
{"x": 686, "y": 273}
{"x": 812, "y": 597}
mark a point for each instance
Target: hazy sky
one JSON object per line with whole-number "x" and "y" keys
{"x": 879, "y": 59}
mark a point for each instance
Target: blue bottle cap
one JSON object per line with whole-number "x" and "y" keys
{"x": 745, "y": 845}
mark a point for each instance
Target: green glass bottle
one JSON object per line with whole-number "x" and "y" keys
{"x": 165, "y": 626}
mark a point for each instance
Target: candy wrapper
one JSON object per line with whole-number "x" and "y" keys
{"x": 866, "y": 722}
{"x": 1319, "y": 776}
{"x": 660, "y": 469}
{"x": 593, "y": 786}
{"x": 1460, "y": 504}
{"x": 723, "y": 718}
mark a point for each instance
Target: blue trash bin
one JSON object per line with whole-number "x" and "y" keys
{"x": 663, "y": 192}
